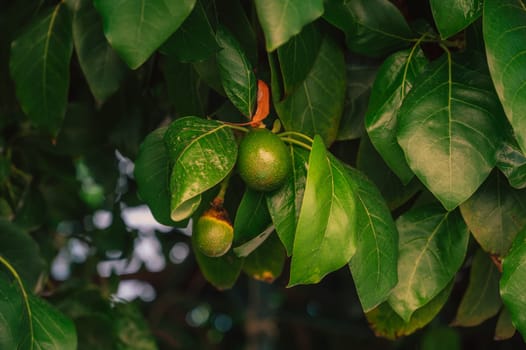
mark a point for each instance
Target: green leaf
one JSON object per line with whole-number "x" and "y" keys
{"x": 135, "y": 29}
{"x": 513, "y": 282}
{"x": 451, "y": 16}
{"x": 359, "y": 85}
{"x": 282, "y": 19}
{"x": 316, "y": 106}
{"x": 372, "y": 27}
{"x": 394, "y": 80}
{"x": 39, "y": 65}
{"x": 386, "y": 323}
{"x": 131, "y": 328}
{"x": 267, "y": 261}
{"x": 237, "y": 75}
{"x": 297, "y": 57}
{"x": 252, "y": 217}
{"x": 433, "y": 244}
{"x": 449, "y": 127}
{"x": 495, "y": 214}
{"x": 512, "y": 162}
{"x": 22, "y": 252}
{"x": 441, "y": 337}
{"x": 51, "y": 330}
{"x": 373, "y": 165}
{"x": 152, "y": 173}
{"x": 284, "y": 204}
{"x": 100, "y": 64}
{"x": 481, "y": 300}
{"x": 374, "y": 266}
{"x": 504, "y": 36}
{"x": 325, "y": 238}
{"x": 504, "y": 328}
{"x": 203, "y": 153}
{"x": 194, "y": 40}
{"x": 221, "y": 272}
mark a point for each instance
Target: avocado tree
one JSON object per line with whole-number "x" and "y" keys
{"x": 374, "y": 148}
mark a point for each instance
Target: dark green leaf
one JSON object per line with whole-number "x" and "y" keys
{"x": 266, "y": 262}
{"x": 248, "y": 247}
{"x": 481, "y": 300}
{"x": 325, "y": 238}
{"x": 374, "y": 266}
{"x": 237, "y": 75}
{"x": 433, "y": 244}
{"x": 372, "y": 27}
{"x": 495, "y": 214}
{"x": 194, "y": 40}
{"x": 284, "y": 204}
{"x": 135, "y": 29}
{"x": 185, "y": 88}
{"x": 297, "y": 57}
{"x": 100, "y": 64}
{"x": 374, "y": 166}
{"x": 51, "y": 330}
{"x": 252, "y": 217}
{"x": 441, "y": 337}
{"x": 316, "y": 106}
{"x": 359, "y": 84}
{"x": 22, "y": 252}
{"x": 131, "y": 328}
{"x": 451, "y": 16}
{"x": 512, "y": 162}
{"x": 386, "y": 323}
{"x": 203, "y": 153}
{"x": 449, "y": 127}
{"x": 221, "y": 272}
{"x": 504, "y": 328}
{"x": 513, "y": 282}
{"x": 394, "y": 80}
{"x": 39, "y": 65}
{"x": 505, "y": 39}
{"x": 152, "y": 173}
{"x": 282, "y": 19}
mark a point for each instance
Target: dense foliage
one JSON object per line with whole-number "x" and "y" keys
{"x": 399, "y": 135}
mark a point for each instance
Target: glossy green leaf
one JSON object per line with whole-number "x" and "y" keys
{"x": 39, "y": 65}
{"x": 267, "y": 261}
{"x": 22, "y": 252}
{"x": 252, "y": 217}
{"x": 284, "y": 204}
{"x": 451, "y": 16}
{"x": 152, "y": 173}
{"x": 203, "y": 153}
{"x": 449, "y": 127}
{"x": 512, "y": 162}
{"x": 236, "y": 73}
{"x": 513, "y": 282}
{"x": 297, "y": 57}
{"x": 316, "y": 106}
{"x": 51, "y": 330}
{"x": 374, "y": 266}
{"x": 372, "y": 27}
{"x": 282, "y": 19}
{"x": 359, "y": 85}
{"x": 394, "y": 80}
{"x": 248, "y": 247}
{"x": 433, "y": 244}
{"x": 221, "y": 272}
{"x": 386, "y": 323}
{"x": 373, "y": 165}
{"x": 505, "y": 41}
{"x": 194, "y": 40}
{"x": 504, "y": 328}
{"x": 102, "y": 67}
{"x": 495, "y": 214}
{"x": 325, "y": 238}
{"x": 135, "y": 29}
{"x": 481, "y": 300}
